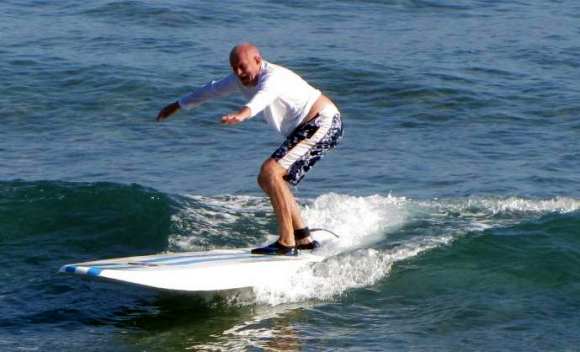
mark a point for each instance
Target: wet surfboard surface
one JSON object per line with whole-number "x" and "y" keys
{"x": 214, "y": 270}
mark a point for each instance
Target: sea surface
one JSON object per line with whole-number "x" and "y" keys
{"x": 456, "y": 190}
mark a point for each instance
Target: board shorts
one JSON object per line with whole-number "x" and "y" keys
{"x": 308, "y": 143}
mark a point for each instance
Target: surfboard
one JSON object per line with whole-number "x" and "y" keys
{"x": 214, "y": 270}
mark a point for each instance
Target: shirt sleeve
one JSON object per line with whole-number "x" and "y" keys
{"x": 213, "y": 89}
{"x": 264, "y": 97}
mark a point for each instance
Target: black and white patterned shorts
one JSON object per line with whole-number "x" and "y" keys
{"x": 308, "y": 143}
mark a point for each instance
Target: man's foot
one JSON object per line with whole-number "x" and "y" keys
{"x": 303, "y": 239}
{"x": 275, "y": 248}
{"x": 308, "y": 246}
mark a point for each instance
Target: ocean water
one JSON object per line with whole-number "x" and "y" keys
{"x": 455, "y": 191}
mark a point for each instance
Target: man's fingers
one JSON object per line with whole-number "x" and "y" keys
{"x": 167, "y": 111}
{"x": 230, "y": 120}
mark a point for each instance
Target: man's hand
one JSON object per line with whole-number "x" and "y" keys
{"x": 167, "y": 111}
{"x": 231, "y": 119}
{"x": 236, "y": 117}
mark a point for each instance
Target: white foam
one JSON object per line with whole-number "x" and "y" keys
{"x": 514, "y": 204}
{"x": 478, "y": 214}
{"x": 359, "y": 221}
{"x": 510, "y": 205}
{"x": 338, "y": 274}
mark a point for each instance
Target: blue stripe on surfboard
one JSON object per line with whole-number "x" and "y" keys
{"x": 172, "y": 258}
{"x": 166, "y": 261}
{"x": 243, "y": 259}
{"x": 94, "y": 272}
{"x": 186, "y": 257}
{"x": 73, "y": 268}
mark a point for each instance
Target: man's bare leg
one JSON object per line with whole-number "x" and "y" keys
{"x": 298, "y": 223}
{"x": 271, "y": 180}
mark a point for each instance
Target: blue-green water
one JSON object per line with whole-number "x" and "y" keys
{"x": 456, "y": 189}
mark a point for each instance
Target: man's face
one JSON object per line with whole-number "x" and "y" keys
{"x": 247, "y": 67}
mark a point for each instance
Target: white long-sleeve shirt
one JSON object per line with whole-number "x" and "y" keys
{"x": 283, "y": 97}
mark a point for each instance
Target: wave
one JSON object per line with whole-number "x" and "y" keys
{"x": 48, "y": 223}
{"x": 376, "y": 233}
{"x": 101, "y": 218}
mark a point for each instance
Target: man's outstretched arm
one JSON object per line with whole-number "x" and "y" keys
{"x": 213, "y": 89}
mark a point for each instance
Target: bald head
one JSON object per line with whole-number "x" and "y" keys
{"x": 243, "y": 50}
{"x": 246, "y": 61}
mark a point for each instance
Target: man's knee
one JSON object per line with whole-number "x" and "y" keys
{"x": 270, "y": 172}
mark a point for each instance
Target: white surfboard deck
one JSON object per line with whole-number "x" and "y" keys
{"x": 215, "y": 270}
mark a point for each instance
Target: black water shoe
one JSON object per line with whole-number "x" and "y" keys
{"x": 301, "y": 234}
{"x": 308, "y": 246}
{"x": 275, "y": 248}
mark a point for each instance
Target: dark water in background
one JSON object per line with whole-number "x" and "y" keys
{"x": 455, "y": 190}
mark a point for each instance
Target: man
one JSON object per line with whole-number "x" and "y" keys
{"x": 309, "y": 120}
